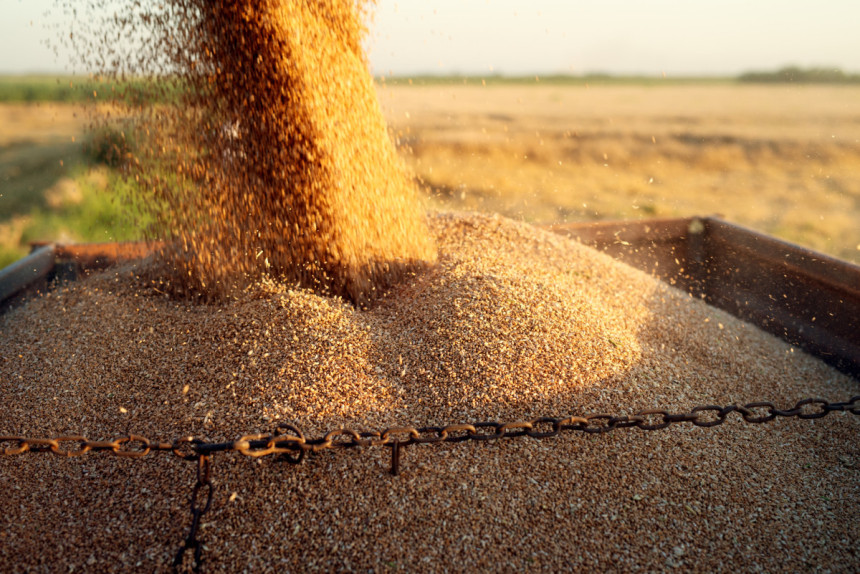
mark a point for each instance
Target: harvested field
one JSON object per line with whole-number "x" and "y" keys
{"x": 762, "y": 156}
{"x": 782, "y": 159}
{"x": 512, "y": 323}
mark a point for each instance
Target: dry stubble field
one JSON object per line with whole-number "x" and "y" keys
{"x": 781, "y": 159}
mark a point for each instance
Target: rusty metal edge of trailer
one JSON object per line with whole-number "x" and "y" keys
{"x": 808, "y": 299}
{"x": 28, "y": 274}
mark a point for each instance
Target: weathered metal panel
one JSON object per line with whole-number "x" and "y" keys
{"x": 665, "y": 248}
{"x": 806, "y": 298}
{"x": 809, "y": 299}
{"x": 26, "y": 275}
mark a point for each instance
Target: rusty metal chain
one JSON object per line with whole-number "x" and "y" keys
{"x": 191, "y": 542}
{"x": 291, "y": 445}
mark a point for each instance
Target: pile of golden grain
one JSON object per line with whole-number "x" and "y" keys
{"x": 283, "y": 176}
{"x": 513, "y": 323}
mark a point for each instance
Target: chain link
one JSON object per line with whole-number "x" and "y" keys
{"x": 191, "y": 542}
{"x": 290, "y": 444}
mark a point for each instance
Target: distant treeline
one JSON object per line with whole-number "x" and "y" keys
{"x": 34, "y": 89}
{"x": 594, "y": 79}
{"x": 39, "y": 89}
{"x": 785, "y": 75}
{"x": 796, "y": 75}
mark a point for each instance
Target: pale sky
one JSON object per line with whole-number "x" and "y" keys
{"x": 650, "y": 37}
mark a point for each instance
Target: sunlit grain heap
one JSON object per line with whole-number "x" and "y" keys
{"x": 511, "y": 323}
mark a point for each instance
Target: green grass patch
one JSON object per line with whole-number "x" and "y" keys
{"x": 94, "y": 204}
{"x": 66, "y": 192}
